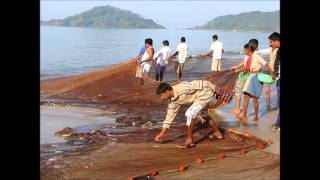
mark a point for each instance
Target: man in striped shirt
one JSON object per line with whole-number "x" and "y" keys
{"x": 199, "y": 94}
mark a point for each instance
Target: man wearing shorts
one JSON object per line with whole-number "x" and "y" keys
{"x": 199, "y": 94}
{"x": 182, "y": 51}
{"x": 146, "y": 62}
{"x": 216, "y": 50}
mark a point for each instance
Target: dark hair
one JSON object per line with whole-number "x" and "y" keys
{"x": 149, "y": 41}
{"x": 183, "y": 39}
{"x": 255, "y": 41}
{"x": 215, "y": 37}
{"x": 253, "y": 45}
{"x": 165, "y": 42}
{"x": 246, "y": 46}
{"x": 274, "y": 36}
{"x": 163, "y": 87}
{"x": 145, "y": 41}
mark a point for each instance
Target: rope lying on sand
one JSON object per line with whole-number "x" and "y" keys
{"x": 221, "y": 155}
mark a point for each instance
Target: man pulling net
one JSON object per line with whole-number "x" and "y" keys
{"x": 198, "y": 93}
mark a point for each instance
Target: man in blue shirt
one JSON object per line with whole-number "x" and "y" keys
{"x": 143, "y": 49}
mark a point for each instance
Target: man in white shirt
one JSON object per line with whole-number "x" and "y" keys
{"x": 182, "y": 51}
{"x": 162, "y": 58}
{"x": 216, "y": 50}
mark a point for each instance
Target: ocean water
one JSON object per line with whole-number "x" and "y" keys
{"x": 68, "y": 51}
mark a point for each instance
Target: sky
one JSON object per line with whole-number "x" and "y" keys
{"x": 172, "y": 15}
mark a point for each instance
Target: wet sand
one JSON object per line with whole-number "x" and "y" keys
{"x": 135, "y": 154}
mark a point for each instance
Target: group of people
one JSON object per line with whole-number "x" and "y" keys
{"x": 200, "y": 93}
{"x": 147, "y": 56}
{"x": 248, "y": 83}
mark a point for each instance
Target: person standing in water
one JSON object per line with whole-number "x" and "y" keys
{"x": 182, "y": 51}
{"x": 216, "y": 50}
{"x": 146, "y": 62}
{"x": 253, "y": 87}
{"x": 241, "y": 79}
{"x": 162, "y": 58}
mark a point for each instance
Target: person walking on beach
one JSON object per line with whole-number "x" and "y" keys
{"x": 216, "y": 50}
{"x": 275, "y": 43}
{"x": 146, "y": 61}
{"x": 241, "y": 79}
{"x": 199, "y": 94}
{"x": 162, "y": 58}
{"x": 182, "y": 51}
{"x": 253, "y": 87}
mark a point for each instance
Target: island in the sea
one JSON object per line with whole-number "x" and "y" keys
{"x": 248, "y": 21}
{"x": 105, "y": 17}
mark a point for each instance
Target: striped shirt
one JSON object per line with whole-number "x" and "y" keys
{"x": 197, "y": 91}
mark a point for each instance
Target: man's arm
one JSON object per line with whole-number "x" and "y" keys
{"x": 173, "y": 55}
{"x": 210, "y": 53}
{"x": 139, "y": 56}
{"x": 156, "y": 55}
{"x": 237, "y": 67}
{"x": 171, "y": 114}
{"x": 276, "y": 65}
{"x": 269, "y": 69}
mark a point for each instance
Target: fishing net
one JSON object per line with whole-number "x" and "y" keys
{"x": 117, "y": 84}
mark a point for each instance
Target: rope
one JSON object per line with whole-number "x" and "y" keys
{"x": 188, "y": 165}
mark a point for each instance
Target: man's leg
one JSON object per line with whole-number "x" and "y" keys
{"x": 278, "y": 91}
{"x": 219, "y": 65}
{"x": 278, "y": 121}
{"x": 161, "y": 76}
{"x": 180, "y": 70}
{"x": 214, "y": 66}
{"x": 176, "y": 67}
{"x": 256, "y": 109}
{"x": 162, "y": 72}
{"x": 213, "y": 125}
{"x": 245, "y": 106}
{"x": 238, "y": 101}
{"x": 278, "y": 94}
{"x": 189, "y": 139}
{"x": 268, "y": 93}
{"x": 238, "y": 94}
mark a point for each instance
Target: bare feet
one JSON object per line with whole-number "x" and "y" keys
{"x": 255, "y": 119}
{"x": 235, "y": 112}
{"x": 217, "y": 134}
{"x": 183, "y": 146}
{"x": 242, "y": 118}
{"x": 189, "y": 143}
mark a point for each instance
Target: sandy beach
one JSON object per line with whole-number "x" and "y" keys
{"x": 125, "y": 155}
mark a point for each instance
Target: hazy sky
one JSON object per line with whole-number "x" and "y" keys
{"x": 172, "y": 15}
